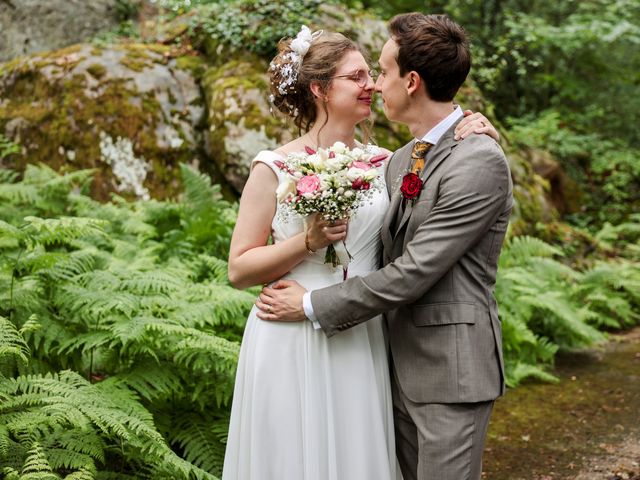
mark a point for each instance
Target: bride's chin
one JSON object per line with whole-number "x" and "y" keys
{"x": 365, "y": 114}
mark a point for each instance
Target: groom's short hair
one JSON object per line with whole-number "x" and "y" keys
{"x": 436, "y": 48}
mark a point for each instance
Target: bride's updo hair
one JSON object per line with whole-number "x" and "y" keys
{"x": 290, "y": 80}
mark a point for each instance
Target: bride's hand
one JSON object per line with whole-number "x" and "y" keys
{"x": 321, "y": 232}
{"x": 475, "y": 123}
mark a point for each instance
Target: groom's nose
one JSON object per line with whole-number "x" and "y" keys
{"x": 378, "y": 85}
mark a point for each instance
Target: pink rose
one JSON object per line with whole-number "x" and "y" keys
{"x": 308, "y": 184}
{"x": 361, "y": 165}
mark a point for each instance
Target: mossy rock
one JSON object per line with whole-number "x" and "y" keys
{"x": 240, "y": 121}
{"x": 56, "y": 105}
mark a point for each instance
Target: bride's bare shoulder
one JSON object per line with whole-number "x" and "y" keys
{"x": 296, "y": 145}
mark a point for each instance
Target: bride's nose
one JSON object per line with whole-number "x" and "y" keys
{"x": 371, "y": 83}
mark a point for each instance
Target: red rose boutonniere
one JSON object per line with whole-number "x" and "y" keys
{"x": 411, "y": 186}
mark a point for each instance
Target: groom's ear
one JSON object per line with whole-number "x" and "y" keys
{"x": 414, "y": 82}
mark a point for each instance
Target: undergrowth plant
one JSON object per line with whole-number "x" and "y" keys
{"x": 545, "y": 305}
{"x": 119, "y": 331}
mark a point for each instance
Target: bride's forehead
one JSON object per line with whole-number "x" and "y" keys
{"x": 351, "y": 61}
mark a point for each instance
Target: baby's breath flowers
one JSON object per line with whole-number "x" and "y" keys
{"x": 332, "y": 181}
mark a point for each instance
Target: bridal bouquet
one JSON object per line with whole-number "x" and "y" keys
{"x": 333, "y": 182}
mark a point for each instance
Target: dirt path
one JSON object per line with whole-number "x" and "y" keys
{"x": 586, "y": 427}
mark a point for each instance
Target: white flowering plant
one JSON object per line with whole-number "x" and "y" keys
{"x": 331, "y": 181}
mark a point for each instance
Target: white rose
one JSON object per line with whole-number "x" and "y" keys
{"x": 339, "y": 147}
{"x": 284, "y": 189}
{"x": 319, "y": 160}
{"x": 355, "y": 173}
{"x": 369, "y": 175}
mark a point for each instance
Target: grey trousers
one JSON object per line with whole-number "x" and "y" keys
{"x": 439, "y": 441}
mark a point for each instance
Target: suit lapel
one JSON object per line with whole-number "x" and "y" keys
{"x": 434, "y": 158}
{"x": 398, "y": 163}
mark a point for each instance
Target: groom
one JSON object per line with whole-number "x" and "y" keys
{"x": 450, "y": 205}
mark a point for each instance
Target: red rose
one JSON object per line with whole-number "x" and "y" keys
{"x": 411, "y": 186}
{"x": 359, "y": 184}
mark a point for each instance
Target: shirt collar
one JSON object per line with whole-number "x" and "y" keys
{"x": 434, "y": 135}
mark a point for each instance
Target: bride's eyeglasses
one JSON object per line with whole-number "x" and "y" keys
{"x": 360, "y": 77}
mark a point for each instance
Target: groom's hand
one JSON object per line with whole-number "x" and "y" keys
{"x": 282, "y": 302}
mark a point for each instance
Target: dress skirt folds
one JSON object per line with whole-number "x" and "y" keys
{"x": 308, "y": 407}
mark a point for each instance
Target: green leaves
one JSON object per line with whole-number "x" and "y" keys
{"x": 119, "y": 331}
{"x": 112, "y": 318}
{"x": 546, "y": 305}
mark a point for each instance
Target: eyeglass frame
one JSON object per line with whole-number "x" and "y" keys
{"x": 371, "y": 74}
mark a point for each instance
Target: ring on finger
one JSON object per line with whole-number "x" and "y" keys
{"x": 268, "y": 308}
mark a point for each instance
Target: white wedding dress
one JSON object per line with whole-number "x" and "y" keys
{"x": 308, "y": 407}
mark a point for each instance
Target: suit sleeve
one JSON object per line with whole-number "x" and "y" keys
{"x": 472, "y": 195}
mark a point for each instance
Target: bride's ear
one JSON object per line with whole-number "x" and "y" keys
{"x": 317, "y": 91}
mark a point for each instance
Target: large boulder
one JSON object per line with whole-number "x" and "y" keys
{"x": 131, "y": 111}
{"x": 134, "y": 111}
{"x": 30, "y": 26}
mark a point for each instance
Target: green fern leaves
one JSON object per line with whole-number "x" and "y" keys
{"x": 119, "y": 331}
{"x": 114, "y": 318}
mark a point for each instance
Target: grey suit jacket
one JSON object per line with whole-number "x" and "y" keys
{"x": 440, "y": 259}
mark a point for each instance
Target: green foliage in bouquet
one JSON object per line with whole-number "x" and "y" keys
{"x": 118, "y": 330}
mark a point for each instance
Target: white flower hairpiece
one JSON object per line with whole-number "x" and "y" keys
{"x": 293, "y": 60}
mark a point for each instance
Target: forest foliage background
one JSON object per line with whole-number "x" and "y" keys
{"x": 119, "y": 331}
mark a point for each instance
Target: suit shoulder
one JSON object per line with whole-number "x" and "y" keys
{"x": 482, "y": 143}
{"x": 481, "y": 148}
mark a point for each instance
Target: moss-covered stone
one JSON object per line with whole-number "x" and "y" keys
{"x": 57, "y": 104}
{"x": 240, "y": 123}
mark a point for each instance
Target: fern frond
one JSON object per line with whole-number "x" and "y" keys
{"x": 156, "y": 281}
{"x": 60, "y": 458}
{"x": 521, "y": 250}
{"x": 211, "y": 268}
{"x": 10, "y": 236}
{"x": 36, "y": 466}
{"x": 8, "y": 176}
{"x": 200, "y": 440}
{"x": 19, "y": 193}
{"x": 520, "y": 371}
{"x": 62, "y": 230}
{"x": 198, "y": 190}
{"x": 84, "y": 442}
{"x": 152, "y": 380}
{"x": 12, "y": 343}
{"x": 83, "y": 474}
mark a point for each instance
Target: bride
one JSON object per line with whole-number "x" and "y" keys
{"x": 308, "y": 407}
